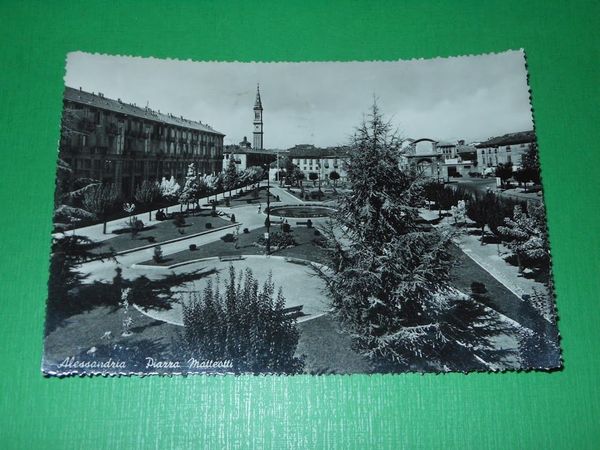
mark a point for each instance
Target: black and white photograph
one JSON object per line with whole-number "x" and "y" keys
{"x": 298, "y": 218}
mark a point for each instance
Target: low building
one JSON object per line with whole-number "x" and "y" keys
{"x": 245, "y": 156}
{"x": 125, "y": 144}
{"x": 508, "y": 148}
{"x": 322, "y": 161}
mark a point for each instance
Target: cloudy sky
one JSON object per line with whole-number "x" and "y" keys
{"x": 470, "y": 98}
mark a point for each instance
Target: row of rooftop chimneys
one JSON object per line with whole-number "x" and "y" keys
{"x": 147, "y": 108}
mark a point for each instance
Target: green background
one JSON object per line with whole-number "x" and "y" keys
{"x": 512, "y": 410}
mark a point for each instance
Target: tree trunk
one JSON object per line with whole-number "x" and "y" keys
{"x": 149, "y": 215}
{"x": 104, "y": 227}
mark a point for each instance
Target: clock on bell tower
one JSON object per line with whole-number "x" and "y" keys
{"x": 258, "y": 121}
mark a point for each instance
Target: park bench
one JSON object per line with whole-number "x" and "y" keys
{"x": 301, "y": 262}
{"x": 293, "y": 312}
{"x": 231, "y": 258}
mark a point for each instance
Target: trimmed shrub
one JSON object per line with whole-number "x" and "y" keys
{"x": 478, "y": 288}
{"x": 233, "y": 218}
{"x": 158, "y": 254}
{"x": 317, "y": 233}
{"x": 278, "y": 240}
{"x": 309, "y": 223}
{"x": 178, "y": 220}
{"x": 285, "y": 227}
{"x": 193, "y": 247}
{"x": 246, "y": 231}
{"x": 208, "y": 225}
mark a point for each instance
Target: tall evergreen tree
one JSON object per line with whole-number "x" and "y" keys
{"x": 390, "y": 283}
{"x": 189, "y": 192}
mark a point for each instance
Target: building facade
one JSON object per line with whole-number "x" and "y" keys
{"x": 508, "y": 148}
{"x": 245, "y": 156}
{"x": 322, "y": 161}
{"x": 121, "y": 143}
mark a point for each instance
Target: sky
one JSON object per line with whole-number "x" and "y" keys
{"x": 321, "y": 103}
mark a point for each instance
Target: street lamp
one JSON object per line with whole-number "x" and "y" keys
{"x": 268, "y": 221}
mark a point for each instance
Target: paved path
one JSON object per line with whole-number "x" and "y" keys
{"x": 95, "y": 232}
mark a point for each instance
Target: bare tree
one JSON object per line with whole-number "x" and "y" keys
{"x": 147, "y": 193}
{"x": 100, "y": 200}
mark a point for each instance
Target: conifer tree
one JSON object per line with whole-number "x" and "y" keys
{"x": 189, "y": 192}
{"x": 390, "y": 284}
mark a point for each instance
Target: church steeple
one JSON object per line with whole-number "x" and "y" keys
{"x": 258, "y": 121}
{"x": 258, "y": 102}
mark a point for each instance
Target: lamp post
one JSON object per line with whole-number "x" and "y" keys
{"x": 268, "y": 221}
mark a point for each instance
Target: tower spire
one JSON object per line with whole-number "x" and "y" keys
{"x": 258, "y": 103}
{"x": 258, "y": 121}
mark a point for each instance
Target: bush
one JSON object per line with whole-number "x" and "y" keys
{"x": 246, "y": 231}
{"x": 278, "y": 240}
{"x": 233, "y": 218}
{"x": 478, "y": 288}
{"x": 213, "y": 211}
{"x": 151, "y": 239}
{"x": 277, "y": 198}
{"x": 227, "y": 202}
{"x": 228, "y": 238}
{"x": 249, "y": 201}
{"x": 309, "y": 223}
{"x": 178, "y": 220}
{"x": 208, "y": 225}
{"x": 317, "y": 233}
{"x": 285, "y": 227}
{"x": 193, "y": 247}
{"x": 158, "y": 254}
{"x": 267, "y": 222}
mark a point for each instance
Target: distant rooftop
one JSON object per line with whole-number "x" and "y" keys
{"x": 310, "y": 151}
{"x": 521, "y": 137}
{"x": 99, "y": 101}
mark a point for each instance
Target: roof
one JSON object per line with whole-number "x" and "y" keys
{"x": 238, "y": 150}
{"x": 99, "y": 101}
{"x": 521, "y": 137}
{"x": 310, "y": 151}
{"x": 465, "y": 149}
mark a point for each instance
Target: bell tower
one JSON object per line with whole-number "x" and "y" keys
{"x": 258, "y": 122}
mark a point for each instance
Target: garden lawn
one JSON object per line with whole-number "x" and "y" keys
{"x": 247, "y": 198}
{"x": 304, "y": 237}
{"x": 81, "y": 333}
{"x": 327, "y": 349}
{"x": 160, "y": 232}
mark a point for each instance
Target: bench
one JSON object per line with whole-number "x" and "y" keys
{"x": 231, "y": 258}
{"x": 293, "y": 312}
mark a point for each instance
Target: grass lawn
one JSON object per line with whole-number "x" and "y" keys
{"x": 81, "y": 336}
{"x": 327, "y": 349}
{"x": 248, "y": 197}
{"x": 328, "y": 193}
{"x": 304, "y": 237}
{"x": 161, "y": 232}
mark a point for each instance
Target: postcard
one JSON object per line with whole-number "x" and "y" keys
{"x": 298, "y": 218}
